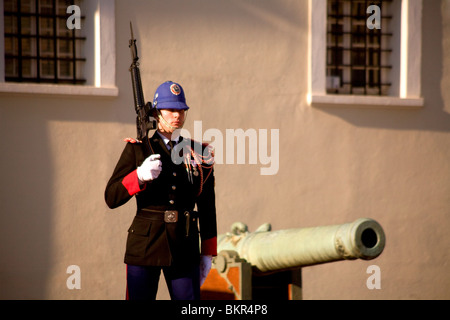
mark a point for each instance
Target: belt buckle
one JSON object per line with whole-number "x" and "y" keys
{"x": 171, "y": 216}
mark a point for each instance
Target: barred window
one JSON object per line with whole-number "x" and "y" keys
{"x": 39, "y": 47}
{"x": 358, "y": 58}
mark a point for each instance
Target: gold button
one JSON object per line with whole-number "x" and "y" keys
{"x": 174, "y": 174}
{"x": 174, "y": 187}
{"x": 171, "y": 202}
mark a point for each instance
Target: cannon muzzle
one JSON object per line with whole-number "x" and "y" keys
{"x": 269, "y": 251}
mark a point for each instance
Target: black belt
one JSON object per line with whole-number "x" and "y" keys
{"x": 169, "y": 216}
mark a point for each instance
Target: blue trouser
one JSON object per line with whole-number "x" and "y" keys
{"x": 183, "y": 284}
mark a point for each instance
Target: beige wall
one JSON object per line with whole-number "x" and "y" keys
{"x": 243, "y": 65}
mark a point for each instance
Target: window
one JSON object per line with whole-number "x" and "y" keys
{"x": 358, "y": 57}
{"x": 42, "y": 55}
{"x": 351, "y": 64}
{"x": 39, "y": 47}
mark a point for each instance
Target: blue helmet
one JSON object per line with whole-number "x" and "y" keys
{"x": 170, "y": 95}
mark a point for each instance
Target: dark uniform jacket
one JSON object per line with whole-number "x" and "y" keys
{"x": 152, "y": 241}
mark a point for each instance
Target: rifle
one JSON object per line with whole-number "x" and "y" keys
{"x": 143, "y": 123}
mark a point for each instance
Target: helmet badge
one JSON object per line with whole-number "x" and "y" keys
{"x": 175, "y": 89}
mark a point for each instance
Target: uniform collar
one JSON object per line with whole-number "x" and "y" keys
{"x": 166, "y": 140}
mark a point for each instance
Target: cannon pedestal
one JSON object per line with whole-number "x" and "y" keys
{"x": 232, "y": 278}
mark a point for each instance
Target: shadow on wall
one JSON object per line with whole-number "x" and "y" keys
{"x": 432, "y": 117}
{"x": 25, "y": 203}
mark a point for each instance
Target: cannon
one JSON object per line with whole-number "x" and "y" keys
{"x": 251, "y": 265}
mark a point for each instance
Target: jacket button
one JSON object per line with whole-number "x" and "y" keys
{"x": 174, "y": 187}
{"x": 171, "y": 202}
{"x": 174, "y": 174}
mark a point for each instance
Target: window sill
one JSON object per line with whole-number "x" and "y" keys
{"x": 58, "y": 89}
{"x": 353, "y": 101}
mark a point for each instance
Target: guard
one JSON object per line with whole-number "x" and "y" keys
{"x": 175, "y": 228}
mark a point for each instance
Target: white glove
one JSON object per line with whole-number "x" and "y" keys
{"x": 205, "y": 267}
{"x": 150, "y": 168}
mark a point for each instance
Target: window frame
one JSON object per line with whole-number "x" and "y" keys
{"x": 410, "y": 46}
{"x": 359, "y": 59}
{"x": 63, "y": 58}
{"x": 100, "y": 57}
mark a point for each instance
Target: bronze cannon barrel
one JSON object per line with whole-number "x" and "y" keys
{"x": 270, "y": 251}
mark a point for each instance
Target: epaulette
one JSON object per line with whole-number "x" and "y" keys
{"x": 131, "y": 140}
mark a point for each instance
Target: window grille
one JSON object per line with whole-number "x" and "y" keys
{"x": 358, "y": 58}
{"x": 39, "y": 47}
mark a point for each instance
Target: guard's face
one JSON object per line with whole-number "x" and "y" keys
{"x": 174, "y": 117}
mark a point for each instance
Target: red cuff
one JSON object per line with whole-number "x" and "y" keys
{"x": 209, "y": 247}
{"x": 131, "y": 183}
